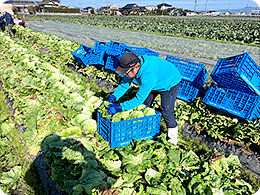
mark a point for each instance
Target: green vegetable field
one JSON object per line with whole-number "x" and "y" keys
{"x": 48, "y": 118}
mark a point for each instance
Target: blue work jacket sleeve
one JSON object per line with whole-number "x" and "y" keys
{"x": 122, "y": 88}
{"x": 147, "y": 83}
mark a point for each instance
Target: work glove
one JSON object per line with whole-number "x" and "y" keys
{"x": 113, "y": 109}
{"x": 112, "y": 99}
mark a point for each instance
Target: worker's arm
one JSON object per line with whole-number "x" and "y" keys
{"x": 147, "y": 83}
{"x": 122, "y": 88}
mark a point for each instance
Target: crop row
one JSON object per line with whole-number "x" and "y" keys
{"x": 47, "y": 97}
{"x": 197, "y": 113}
{"x": 197, "y": 49}
{"x": 231, "y": 30}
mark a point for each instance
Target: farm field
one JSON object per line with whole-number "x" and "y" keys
{"x": 49, "y": 91}
{"x": 207, "y": 52}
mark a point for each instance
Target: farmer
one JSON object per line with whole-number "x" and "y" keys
{"x": 155, "y": 76}
{"x": 9, "y": 22}
{"x": 18, "y": 22}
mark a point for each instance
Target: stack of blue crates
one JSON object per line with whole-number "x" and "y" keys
{"x": 87, "y": 56}
{"x": 194, "y": 76}
{"x": 114, "y": 53}
{"x": 108, "y": 54}
{"x": 237, "y": 88}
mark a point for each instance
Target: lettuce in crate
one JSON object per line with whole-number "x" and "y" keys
{"x": 137, "y": 112}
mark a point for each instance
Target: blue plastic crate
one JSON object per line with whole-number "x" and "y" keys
{"x": 94, "y": 59}
{"x": 112, "y": 62}
{"x": 143, "y": 51}
{"x": 188, "y": 70}
{"x": 238, "y": 72}
{"x": 116, "y": 48}
{"x": 80, "y": 53}
{"x": 232, "y": 101}
{"x": 187, "y": 91}
{"x": 121, "y": 133}
{"x": 200, "y": 80}
{"x": 101, "y": 46}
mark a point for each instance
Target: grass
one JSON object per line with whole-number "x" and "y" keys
{"x": 12, "y": 154}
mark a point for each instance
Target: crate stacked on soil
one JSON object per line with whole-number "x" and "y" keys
{"x": 238, "y": 86}
{"x": 233, "y": 101}
{"x": 107, "y": 54}
{"x": 238, "y": 72}
{"x": 116, "y": 50}
{"x": 194, "y": 76}
{"x": 143, "y": 51}
{"x": 87, "y": 56}
{"x": 121, "y": 133}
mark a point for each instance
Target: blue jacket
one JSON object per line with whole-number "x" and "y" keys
{"x": 155, "y": 73}
{"x": 8, "y": 19}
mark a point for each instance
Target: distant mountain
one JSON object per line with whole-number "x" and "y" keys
{"x": 248, "y": 9}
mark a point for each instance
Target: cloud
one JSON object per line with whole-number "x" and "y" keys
{"x": 258, "y": 2}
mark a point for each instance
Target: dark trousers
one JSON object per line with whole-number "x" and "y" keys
{"x": 10, "y": 27}
{"x": 2, "y": 26}
{"x": 168, "y": 99}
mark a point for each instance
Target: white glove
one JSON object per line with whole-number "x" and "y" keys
{"x": 173, "y": 135}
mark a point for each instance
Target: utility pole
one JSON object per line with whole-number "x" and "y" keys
{"x": 107, "y": 7}
{"x": 206, "y": 6}
{"x": 246, "y": 8}
{"x": 195, "y": 6}
{"x": 23, "y": 10}
{"x": 162, "y": 7}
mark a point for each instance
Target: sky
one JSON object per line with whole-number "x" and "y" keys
{"x": 186, "y": 4}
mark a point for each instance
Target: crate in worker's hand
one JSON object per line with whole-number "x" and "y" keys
{"x": 238, "y": 72}
{"x": 121, "y": 133}
{"x": 235, "y": 102}
{"x": 189, "y": 70}
{"x": 80, "y": 53}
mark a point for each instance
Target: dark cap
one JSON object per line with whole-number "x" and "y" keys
{"x": 127, "y": 61}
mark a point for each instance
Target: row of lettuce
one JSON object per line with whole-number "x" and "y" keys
{"x": 190, "y": 48}
{"x": 16, "y": 175}
{"x": 238, "y": 30}
{"x": 48, "y": 97}
{"x": 197, "y": 113}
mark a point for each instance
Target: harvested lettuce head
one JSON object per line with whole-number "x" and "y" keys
{"x": 136, "y": 114}
{"x": 140, "y": 108}
{"x": 120, "y": 116}
{"x": 148, "y": 111}
{"x": 89, "y": 126}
